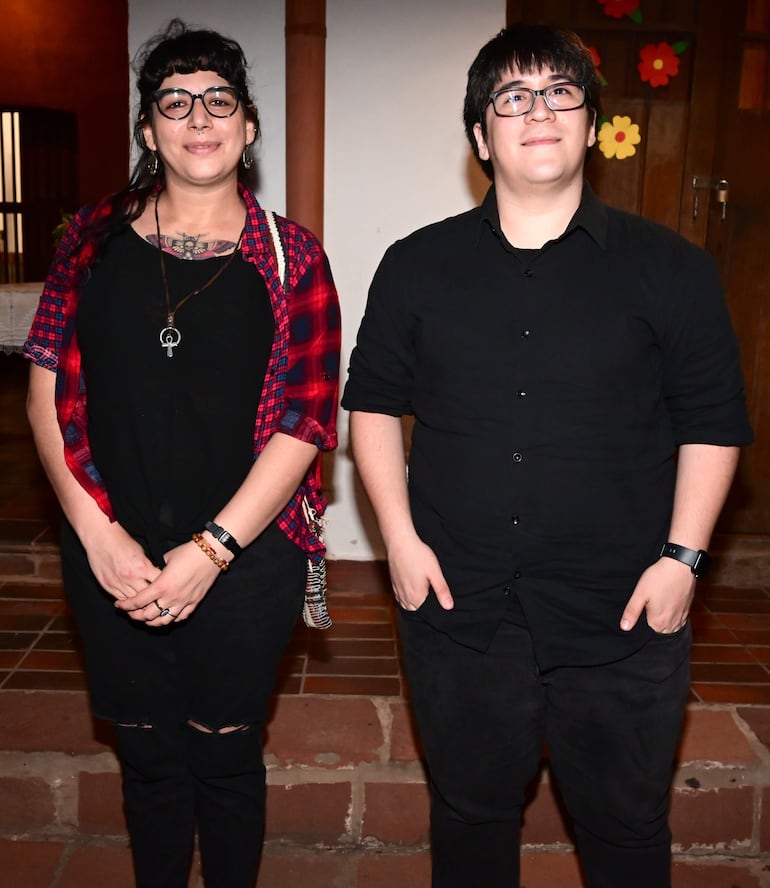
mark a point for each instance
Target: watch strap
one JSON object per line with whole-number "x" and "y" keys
{"x": 698, "y": 560}
{"x": 223, "y": 536}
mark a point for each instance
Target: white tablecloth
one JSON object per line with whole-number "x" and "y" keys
{"x": 18, "y": 303}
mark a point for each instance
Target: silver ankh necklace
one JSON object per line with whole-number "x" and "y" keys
{"x": 170, "y": 335}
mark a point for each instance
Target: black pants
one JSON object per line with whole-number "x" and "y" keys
{"x": 611, "y": 732}
{"x": 217, "y": 670}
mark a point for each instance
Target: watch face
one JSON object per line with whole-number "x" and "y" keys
{"x": 698, "y": 561}
{"x": 702, "y": 564}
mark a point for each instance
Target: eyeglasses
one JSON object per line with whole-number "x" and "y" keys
{"x": 513, "y": 101}
{"x": 176, "y": 104}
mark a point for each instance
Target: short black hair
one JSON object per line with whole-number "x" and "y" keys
{"x": 527, "y": 48}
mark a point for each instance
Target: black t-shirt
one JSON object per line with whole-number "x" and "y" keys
{"x": 550, "y": 392}
{"x": 171, "y": 437}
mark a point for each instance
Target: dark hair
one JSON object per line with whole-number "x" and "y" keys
{"x": 528, "y": 48}
{"x": 177, "y": 49}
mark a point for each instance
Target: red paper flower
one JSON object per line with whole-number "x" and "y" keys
{"x": 619, "y": 8}
{"x": 658, "y": 63}
{"x": 597, "y": 61}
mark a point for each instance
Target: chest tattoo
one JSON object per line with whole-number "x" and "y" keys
{"x": 191, "y": 246}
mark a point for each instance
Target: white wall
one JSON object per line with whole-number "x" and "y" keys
{"x": 396, "y": 155}
{"x": 396, "y": 159}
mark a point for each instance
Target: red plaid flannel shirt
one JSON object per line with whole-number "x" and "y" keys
{"x": 299, "y": 396}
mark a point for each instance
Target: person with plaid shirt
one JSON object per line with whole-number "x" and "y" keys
{"x": 181, "y": 391}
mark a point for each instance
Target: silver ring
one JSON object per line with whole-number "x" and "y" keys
{"x": 164, "y": 611}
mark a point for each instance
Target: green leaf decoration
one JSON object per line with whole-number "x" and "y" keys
{"x": 636, "y": 16}
{"x": 679, "y": 47}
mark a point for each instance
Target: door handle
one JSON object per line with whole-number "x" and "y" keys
{"x": 721, "y": 188}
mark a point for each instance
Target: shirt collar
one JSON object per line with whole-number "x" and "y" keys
{"x": 591, "y": 216}
{"x": 489, "y": 216}
{"x": 256, "y": 238}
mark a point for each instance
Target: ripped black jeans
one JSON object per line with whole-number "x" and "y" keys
{"x": 189, "y": 704}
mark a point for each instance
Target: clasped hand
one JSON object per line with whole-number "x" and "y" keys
{"x": 178, "y": 588}
{"x": 122, "y": 569}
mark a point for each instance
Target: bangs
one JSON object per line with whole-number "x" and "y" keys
{"x": 181, "y": 51}
{"x": 534, "y": 60}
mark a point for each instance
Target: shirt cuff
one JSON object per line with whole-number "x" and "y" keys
{"x": 43, "y": 357}
{"x": 307, "y": 429}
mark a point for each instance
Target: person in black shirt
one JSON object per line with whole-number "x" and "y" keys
{"x": 578, "y": 408}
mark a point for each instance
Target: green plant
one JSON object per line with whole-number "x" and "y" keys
{"x": 58, "y": 233}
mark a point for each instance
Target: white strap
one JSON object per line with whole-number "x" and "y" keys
{"x": 279, "y": 254}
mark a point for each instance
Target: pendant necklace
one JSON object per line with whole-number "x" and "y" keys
{"x": 170, "y": 335}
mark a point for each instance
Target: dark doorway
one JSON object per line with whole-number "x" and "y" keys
{"x": 38, "y": 185}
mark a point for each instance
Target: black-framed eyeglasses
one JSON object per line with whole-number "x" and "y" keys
{"x": 513, "y": 101}
{"x": 176, "y": 104}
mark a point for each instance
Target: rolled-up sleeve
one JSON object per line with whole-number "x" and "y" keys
{"x": 46, "y": 333}
{"x": 381, "y": 373}
{"x": 703, "y": 381}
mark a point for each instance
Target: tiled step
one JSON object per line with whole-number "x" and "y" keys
{"x": 35, "y": 561}
{"x": 94, "y": 865}
{"x": 344, "y": 774}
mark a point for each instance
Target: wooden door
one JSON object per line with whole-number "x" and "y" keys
{"x": 741, "y": 242}
{"x": 49, "y": 183}
{"x": 38, "y": 184}
{"x": 710, "y": 122}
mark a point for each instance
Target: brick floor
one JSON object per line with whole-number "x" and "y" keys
{"x": 359, "y": 655}
{"x": 55, "y": 865}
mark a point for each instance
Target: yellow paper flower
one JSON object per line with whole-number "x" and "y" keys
{"x": 617, "y": 139}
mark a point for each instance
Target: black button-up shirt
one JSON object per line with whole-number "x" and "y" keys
{"x": 550, "y": 391}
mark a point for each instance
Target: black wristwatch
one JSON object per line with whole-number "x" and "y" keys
{"x": 227, "y": 539}
{"x": 699, "y": 561}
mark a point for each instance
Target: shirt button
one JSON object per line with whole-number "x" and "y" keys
{"x": 525, "y": 334}
{"x": 529, "y": 273}
{"x": 521, "y": 394}
{"x": 507, "y": 590}
{"x": 514, "y": 519}
{"x": 517, "y": 457}
{"x": 517, "y": 575}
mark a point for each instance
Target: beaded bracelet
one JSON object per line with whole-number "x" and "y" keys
{"x": 208, "y": 550}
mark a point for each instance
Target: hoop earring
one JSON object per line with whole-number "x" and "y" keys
{"x": 153, "y": 164}
{"x": 246, "y": 159}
